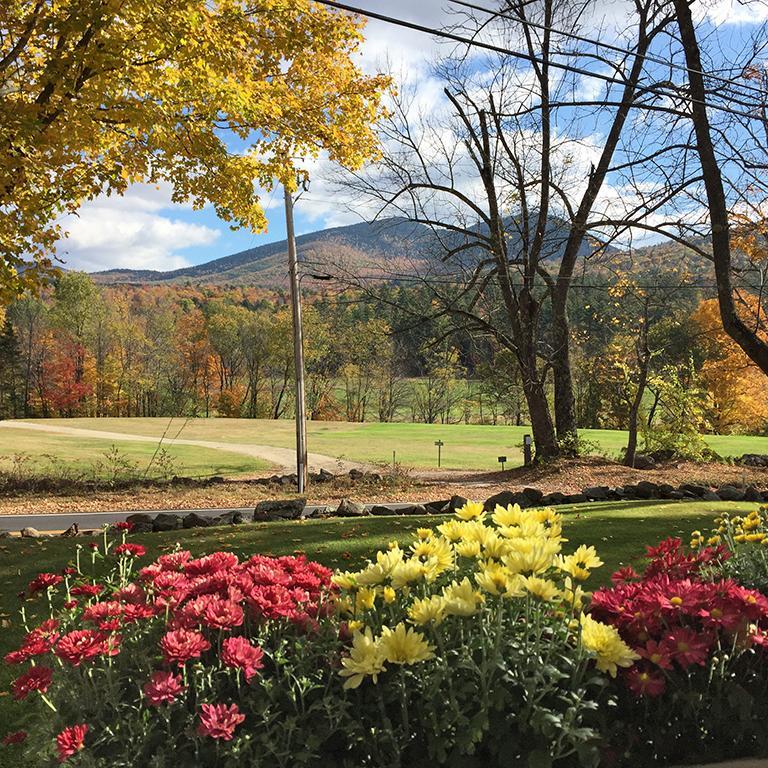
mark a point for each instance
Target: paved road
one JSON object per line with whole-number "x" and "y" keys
{"x": 282, "y": 457}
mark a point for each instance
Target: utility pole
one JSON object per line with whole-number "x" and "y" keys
{"x": 298, "y": 346}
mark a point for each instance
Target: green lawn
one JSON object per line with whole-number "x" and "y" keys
{"x": 619, "y": 530}
{"x": 56, "y": 455}
{"x": 467, "y": 446}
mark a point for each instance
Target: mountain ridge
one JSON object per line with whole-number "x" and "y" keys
{"x": 395, "y": 246}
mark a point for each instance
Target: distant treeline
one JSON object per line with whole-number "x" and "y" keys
{"x": 85, "y": 350}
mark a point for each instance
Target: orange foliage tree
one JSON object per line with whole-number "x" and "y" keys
{"x": 737, "y": 386}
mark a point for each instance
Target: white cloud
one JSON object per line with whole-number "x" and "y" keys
{"x": 131, "y": 232}
{"x": 733, "y": 11}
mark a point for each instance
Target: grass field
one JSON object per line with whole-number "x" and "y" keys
{"x": 618, "y": 530}
{"x": 467, "y": 446}
{"x": 53, "y": 455}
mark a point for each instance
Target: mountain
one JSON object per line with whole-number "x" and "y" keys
{"x": 388, "y": 248}
{"x": 388, "y": 244}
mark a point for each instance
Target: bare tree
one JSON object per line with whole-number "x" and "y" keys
{"x": 742, "y": 138}
{"x": 510, "y": 189}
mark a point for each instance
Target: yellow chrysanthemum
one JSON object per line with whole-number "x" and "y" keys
{"x": 451, "y": 529}
{"x": 468, "y": 548}
{"x": 424, "y": 533}
{"x": 475, "y": 531}
{"x": 389, "y": 559}
{"x": 531, "y": 556}
{"x": 493, "y": 577}
{"x": 551, "y": 520}
{"x": 438, "y": 549}
{"x": 365, "y": 660}
{"x": 574, "y": 596}
{"x": 461, "y": 599}
{"x": 389, "y": 595}
{"x": 472, "y": 510}
{"x": 365, "y": 599}
{"x": 406, "y": 572}
{"x": 421, "y": 548}
{"x": 346, "y": 580}
{"x": 579, "y": 563}
{"x": 371, "y": 576}
{"x": 604, "y": 641}
{"x": 507, "y": 516}
{"x": 403, "y": 645}
{"x": 515, "y": 586}
{"x": 427, "y": 610}
{"x": 441, "y": 561}
{"x": 544, "y": 589}
{"x": 495, "y": 547}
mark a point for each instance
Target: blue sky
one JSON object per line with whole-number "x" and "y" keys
{"x": 145, "y": 230}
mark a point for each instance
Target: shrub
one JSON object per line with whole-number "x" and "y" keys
{"x": 746, "y": 539}
{"x": 700, "y": 689}
{"x": 470, "y": 643}
{"x": 468, "y": 648}
{"x": 177, "y": 664}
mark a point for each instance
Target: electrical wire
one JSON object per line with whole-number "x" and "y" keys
{"x": 608, "y": 46}
{"x": 524, "y": 56}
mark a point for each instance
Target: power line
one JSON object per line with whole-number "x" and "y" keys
{"x": 523, "y": 56}
{"x": 607, "y": 46}
{"x": 446, "y": 280}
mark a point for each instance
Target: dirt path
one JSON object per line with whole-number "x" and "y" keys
{"x": 284, "y": 458}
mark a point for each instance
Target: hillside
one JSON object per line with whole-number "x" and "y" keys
{"x": 391, "y": 243}
{"x": 388, "y": 248}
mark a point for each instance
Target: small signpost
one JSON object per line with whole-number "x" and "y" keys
{"x": 502, "y": 461}
{"x": 527, "y": 450}
{"x": 439, "y": 444}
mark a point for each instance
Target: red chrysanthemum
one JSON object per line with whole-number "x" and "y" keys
{"x": 36, "y": 679}
{"x": 44, "y": 581}
{"x": 174, "y": 561}
{"x": 132, "y": 613}
{"x": 123, "y": 526}
{"x": 101, "y": 611}
{"x": 130, "y": 550}
{"x": 163, "y": 688}
{"x": 70, "y": 741}
{"x": 219, "y": 721}
{"x": 223, "y": 614}
{"x": 86, "y": 590}
{"x": 217, "y": 561}
{"x": 689, "y": 647}
{"x": 80, "y": 645}
{"x": 17, "y": 737}
{"x": 239, "y": 653}
{"x": 181, "y": 645}
{"x": 644, "y": 683}
{"x": 657, "y": 653}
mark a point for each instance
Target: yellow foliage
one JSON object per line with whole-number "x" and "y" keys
{"x": 738, "y": 388}
{"x": 212, "y": 98}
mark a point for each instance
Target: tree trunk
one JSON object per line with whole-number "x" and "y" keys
{"x": 542, "y": 426}
{"x": 634, "y": 412}
{"x": 747, "y": 338}
{"x": 565, "y": 401}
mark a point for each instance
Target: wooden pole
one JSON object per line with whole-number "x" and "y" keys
{"x": 298, "y": 347}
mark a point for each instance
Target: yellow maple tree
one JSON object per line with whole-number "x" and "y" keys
{"x": 737, "y": 387}
{"x": 215, "y": 97}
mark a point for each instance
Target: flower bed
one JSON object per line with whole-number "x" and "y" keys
{"x": 473, "y": 645}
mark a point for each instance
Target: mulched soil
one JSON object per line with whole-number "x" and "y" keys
{"x": 567, "y": 476}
